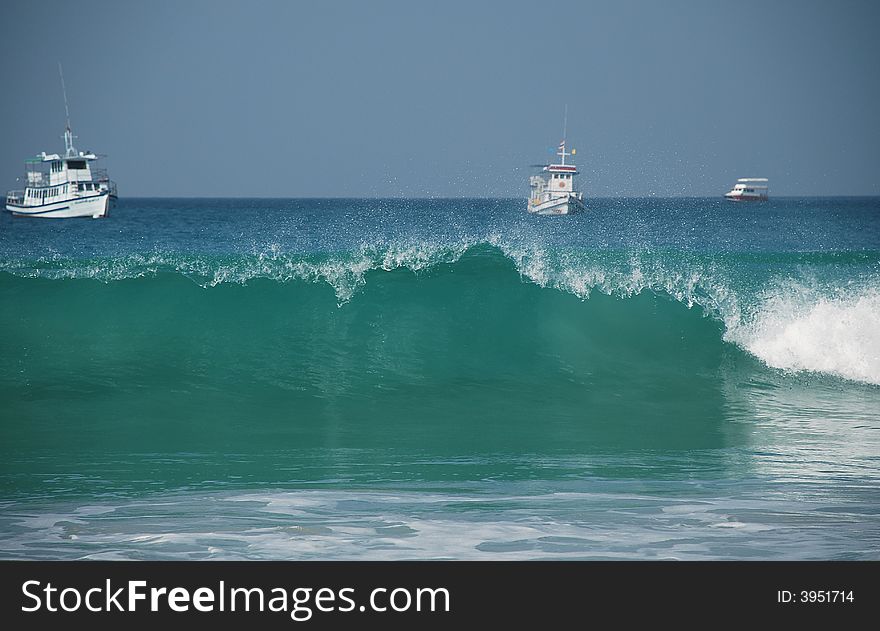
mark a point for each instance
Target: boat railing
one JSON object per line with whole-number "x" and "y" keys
{"x": 15, "y": 197}
{"x": 100, "y": 176}
{"x": 108, "y": 186}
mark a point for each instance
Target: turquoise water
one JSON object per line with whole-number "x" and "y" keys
{"x": 384, "y": 379}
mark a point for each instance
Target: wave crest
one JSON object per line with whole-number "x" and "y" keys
{"x": 344, "y": 272}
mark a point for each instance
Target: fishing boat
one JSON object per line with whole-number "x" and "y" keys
{"x": 63, "y": 185}
{"x": 749, "y": 189}
{"x": 553, "y": 192}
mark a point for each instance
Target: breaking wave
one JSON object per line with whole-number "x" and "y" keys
{"x": 788, "y": 322}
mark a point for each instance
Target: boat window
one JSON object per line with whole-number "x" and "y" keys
{"x": 76, "y": 164}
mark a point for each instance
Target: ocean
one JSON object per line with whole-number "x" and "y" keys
{"x": 681, "y": 378}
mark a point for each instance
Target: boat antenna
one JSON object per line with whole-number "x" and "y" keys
{"x": 69, "y": 149}
{"x": 564, "y": 116}
{"x": 564, "y": 132}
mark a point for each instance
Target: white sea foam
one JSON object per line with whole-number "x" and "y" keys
{"x": 799, "y": 328}
{"x": 618, "y": 520}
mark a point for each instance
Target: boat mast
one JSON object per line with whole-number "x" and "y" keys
{"x": 69, "y": 149}
{"x": 564, "y": 132}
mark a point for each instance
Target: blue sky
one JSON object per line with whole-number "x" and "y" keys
{"x": 383, "y": 98}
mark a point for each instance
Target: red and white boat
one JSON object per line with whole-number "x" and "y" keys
{"x": 554, "y": 192}
{"x": 749, "y": 189}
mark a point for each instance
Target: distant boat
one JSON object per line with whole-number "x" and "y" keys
{"x": 63, "y": 186}
{"x": 554, "y": 193}
{"x": 749, "y": 189}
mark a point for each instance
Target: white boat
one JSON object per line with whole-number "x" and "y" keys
{"x": 749, "y": 189}
{"x": 63, "y": 186}
{"x": 554, "y": 193}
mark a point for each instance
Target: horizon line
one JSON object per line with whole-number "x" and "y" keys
{"x": 441, "y": 197}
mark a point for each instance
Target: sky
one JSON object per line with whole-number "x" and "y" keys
{"x": 448, "y": 99}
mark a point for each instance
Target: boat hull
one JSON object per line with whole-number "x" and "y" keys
{"x": 746, "y": 198}
{"x": 560, "y": 206}
{"x": 94, "y": 206}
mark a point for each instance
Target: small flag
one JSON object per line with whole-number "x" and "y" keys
{"x": 574, "y": 152}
